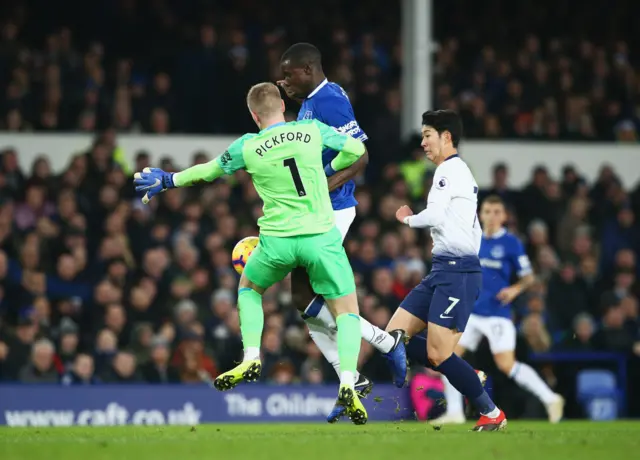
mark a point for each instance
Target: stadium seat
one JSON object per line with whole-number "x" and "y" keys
{"x": 597, "y": 391}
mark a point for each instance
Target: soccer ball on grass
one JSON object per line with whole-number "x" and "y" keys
{"x": 242, "y": 251}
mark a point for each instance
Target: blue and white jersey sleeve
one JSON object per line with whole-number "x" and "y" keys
{"x": 331, "y": 106}
{"x": 519, "y": 259}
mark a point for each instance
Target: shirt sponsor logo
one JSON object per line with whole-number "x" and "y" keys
{"x": 352, "y": 129}
{"x": 489, "y": 263}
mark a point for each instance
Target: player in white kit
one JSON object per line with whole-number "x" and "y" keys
{"x": 442, "y": 302}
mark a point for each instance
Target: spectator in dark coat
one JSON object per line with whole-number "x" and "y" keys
{"x": 566, "y": 297}
{"x": 158, "y": 369}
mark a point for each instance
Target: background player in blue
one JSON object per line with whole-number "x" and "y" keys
{"x": 305, "y": 82}
{"x": 443, "y": 301}
{"x": 501, "y": 256}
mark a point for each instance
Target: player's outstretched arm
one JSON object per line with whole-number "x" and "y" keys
{"x": 153, "y": 180}
{"x": 227, "y": 163}
{"x": 206, "y": 172}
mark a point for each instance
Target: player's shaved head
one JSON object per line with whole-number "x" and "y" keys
{"x": 301, "y": 67}
{"x": 303, "y": 54}
{"x": 264, "y": 99}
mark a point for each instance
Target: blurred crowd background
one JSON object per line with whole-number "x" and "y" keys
{"x": 95, "y": 287}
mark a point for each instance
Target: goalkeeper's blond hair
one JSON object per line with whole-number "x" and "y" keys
{"x": 264, "y": 99}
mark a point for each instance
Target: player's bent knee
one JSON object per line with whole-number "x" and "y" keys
{"x": 441, "y": 343}
{"x": 505, "y": 361}
{"x": 437, "y": 354}
{"x": 245, "y": 283}
{"x": 459, "y": 350}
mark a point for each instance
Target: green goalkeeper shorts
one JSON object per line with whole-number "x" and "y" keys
{"x": 322, "y": 255}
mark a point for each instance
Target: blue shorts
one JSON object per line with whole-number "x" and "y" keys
{"x": 447, "y": 295}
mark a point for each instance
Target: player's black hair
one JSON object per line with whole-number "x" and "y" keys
{"x": 444, "y": 120}
{"x": 302, "y": 54}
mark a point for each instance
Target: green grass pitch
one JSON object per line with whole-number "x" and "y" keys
{"x": 407, "y": 440}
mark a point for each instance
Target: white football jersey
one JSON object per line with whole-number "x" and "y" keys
{"x": 451, "y": 211}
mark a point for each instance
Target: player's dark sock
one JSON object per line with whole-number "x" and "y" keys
{"x": 417, "y": 351}
{"x": 464, "y": 379}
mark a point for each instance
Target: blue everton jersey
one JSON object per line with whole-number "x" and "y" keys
{"x": 330, "y": 104}
{"x": 501, "y": 255}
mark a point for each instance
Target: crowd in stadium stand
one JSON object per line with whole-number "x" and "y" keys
{"x": 95, "y": 287}
{"x": 172, "y": 67}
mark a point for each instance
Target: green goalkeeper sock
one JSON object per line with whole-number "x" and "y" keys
{"x": 251, "y": 322}
{"x": 349, "y": 339}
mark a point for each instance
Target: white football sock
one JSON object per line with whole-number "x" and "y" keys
{"x": 526, "y": 377}
{"x": 380, "y": 339}
{"x": 251, "y": 354}
{"x": 453, "y": 399}
{"x": 347, "y": 378}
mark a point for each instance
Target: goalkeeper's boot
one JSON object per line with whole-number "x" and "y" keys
{"x": 397, "y": 358}
{"x": 485, "y": 423}
{"x": 348, "y": 398}
{"x": 247, "y": 371}
{"x": 363, "y": 387}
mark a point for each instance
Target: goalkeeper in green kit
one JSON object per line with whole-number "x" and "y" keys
{"x": 297, "y": 229}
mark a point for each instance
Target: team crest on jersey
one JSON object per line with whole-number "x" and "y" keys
{"x": 442, "y": 183}
{"x": 497, "y": 252}
{"x": 308, "y": 115}
{"x": 225, "y": 158}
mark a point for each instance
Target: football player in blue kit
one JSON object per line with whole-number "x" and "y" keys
{"x": 305, "y": 82}
{"x": 502, "y": 256}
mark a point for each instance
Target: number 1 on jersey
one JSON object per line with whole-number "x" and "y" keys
{"x": 295, "y": 174}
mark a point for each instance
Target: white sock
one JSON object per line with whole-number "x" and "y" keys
{"x": 493, "y": 414}
{"x": 380, "y": 339}
{"x": 251, "y": 354}
{"x": 453, "y": 399}
{"x": 325, "y": 340}
{"x": 526, "y": 377}
{"x": 347, "y": 378}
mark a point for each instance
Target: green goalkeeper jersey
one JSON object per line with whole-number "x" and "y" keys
{"x": 285, "y": 164}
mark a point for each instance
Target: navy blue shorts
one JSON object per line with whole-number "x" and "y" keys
{"x": 445, "y": 298}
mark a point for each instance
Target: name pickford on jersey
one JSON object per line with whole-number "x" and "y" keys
{"x": 281, "y": 138}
